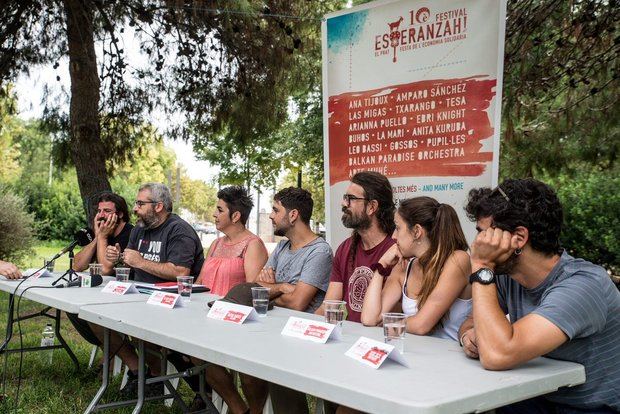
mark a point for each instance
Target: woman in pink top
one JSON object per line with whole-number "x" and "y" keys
{"x": 239, "y": 255}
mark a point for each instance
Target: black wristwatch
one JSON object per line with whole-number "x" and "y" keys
{"x": 379, "y": 268}
{"x": 483, "y": 276}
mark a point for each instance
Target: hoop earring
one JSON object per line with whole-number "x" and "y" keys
{"x": 518, "y": 252}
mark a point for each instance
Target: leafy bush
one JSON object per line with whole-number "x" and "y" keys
{"x": 58, "y": 209}
{"x": 16, "y": 227}
{"x": 592, "y": 216}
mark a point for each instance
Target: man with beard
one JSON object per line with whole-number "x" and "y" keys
{"x": 161, "y": 247}
{"x": 559, "y": 306}
{"x": 111, "y": 226}
{"x": 297, "y": 274}
{"x": 367, "y": 209}
{"x": 297, "y": 271}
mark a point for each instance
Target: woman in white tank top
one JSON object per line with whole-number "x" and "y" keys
{"x": 429, "y": 278}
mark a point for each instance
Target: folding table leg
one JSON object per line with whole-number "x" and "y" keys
{"x": 141, "y": 377}
{"x": 106, "y": 372}
{"x": 63, "y": 343}
{"x": 211, "y": 409}
{"x": 9, "y": 324}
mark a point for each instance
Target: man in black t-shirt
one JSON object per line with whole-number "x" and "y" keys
{"x": 111, "y": 226}
{"x": 161, "y": 247}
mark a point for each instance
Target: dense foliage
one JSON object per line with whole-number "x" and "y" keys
{"x": 16, "y": 227}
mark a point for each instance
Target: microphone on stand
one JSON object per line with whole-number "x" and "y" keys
{"x": 82, "y": 237}
{"x": 95, "y": 281}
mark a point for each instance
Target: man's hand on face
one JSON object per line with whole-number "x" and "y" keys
{"x": 107, "y": 226}
{"x": 491, "y": 247}
{"x": 469, "y": 343}
{"x": 132, "y": 258}
{"x": 9, "y": 270}
{"x": 267, "y": 275}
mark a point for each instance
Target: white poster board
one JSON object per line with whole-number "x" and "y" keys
{"x": 412, "y": 89}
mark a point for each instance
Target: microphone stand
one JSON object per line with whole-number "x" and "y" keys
{"x": 70, "y": 273}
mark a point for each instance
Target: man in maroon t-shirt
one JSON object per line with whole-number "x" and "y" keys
{"x": 368, "y": 209}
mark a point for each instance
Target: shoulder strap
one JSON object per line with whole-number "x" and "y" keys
{"x": 407, "y": 274}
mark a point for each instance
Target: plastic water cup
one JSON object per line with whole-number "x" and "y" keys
{"x": 184, "y": 285}
{"x": 334, "y": 311}
{"x": 49, "y": 265}
{"x": 122, "y": 274}
{"x": 260, "y": 300}
{"x": 93, "y": 269}
{"x": 394, "y": 327}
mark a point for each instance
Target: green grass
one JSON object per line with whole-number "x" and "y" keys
{"x": 56, "y": 387}
{"x": 47, "y": 250}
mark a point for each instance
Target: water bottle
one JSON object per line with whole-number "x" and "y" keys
{"x": 47, "y": 339}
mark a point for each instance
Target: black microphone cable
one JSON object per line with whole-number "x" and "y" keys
{"x": 10, "y": 305}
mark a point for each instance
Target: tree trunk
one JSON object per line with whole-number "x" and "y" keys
{"x": 87, "y": 151}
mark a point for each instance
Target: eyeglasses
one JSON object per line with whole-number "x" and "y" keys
{"x": 347, "y": 198}
{"x": 140, "y": 203}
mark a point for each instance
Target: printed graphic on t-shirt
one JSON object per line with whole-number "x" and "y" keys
{"x": 358, "y": 283}
{"x": 153, "y": 250}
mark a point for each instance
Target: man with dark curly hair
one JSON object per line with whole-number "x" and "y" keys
{"x": 557, "y": 305}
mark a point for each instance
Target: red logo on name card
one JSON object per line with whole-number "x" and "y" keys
{"x": 234, "y": 316}
{"x": 316, "y": 331}
{"x": 119, "y": 289}
{"x": 167, "y": 300}
{"x": 374, "y": 355}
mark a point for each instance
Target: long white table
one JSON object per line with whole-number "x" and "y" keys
{"x": 72, "y": 300}
{"x": 61, "y": 299}
{"x": 440, "y": 378}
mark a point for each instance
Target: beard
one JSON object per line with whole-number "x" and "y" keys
{"x": 508, "y": 266}
{"x": 148, "y": 220}
{"x": 282, "y": 228}
{"x": 360, "y": 222}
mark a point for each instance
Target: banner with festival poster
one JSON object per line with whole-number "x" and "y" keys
{"x": 412, "y": 89}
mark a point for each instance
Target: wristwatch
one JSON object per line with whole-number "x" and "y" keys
{"x": 379, "y": 268}
{"x": 483, "y": 276}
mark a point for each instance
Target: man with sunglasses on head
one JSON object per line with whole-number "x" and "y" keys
{"x": 367, "y": 209}
{"x": 558, "y": 306}
{"x": 111, "y": 226}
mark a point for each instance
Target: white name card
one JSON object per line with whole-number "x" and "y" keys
{"x": 119, "y": 288}
{"x": 30, "y": 273}
{"x": 165, "y": 299}
{"x": 310, "y": 330}
{"x": 231, "y": 312}
{"x": 374, "y": 353}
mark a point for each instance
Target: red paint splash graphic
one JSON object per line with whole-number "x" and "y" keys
{"x": 429, "y": 128}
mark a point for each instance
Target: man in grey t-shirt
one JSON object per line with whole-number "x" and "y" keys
{"x": 298, "y": 270}
{"x": 560, "y": 307}
{"x": 297, "y": 274}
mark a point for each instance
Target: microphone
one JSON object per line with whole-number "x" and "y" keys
{"x": 95, "y": 280}
{"x": 81, "y": 237}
